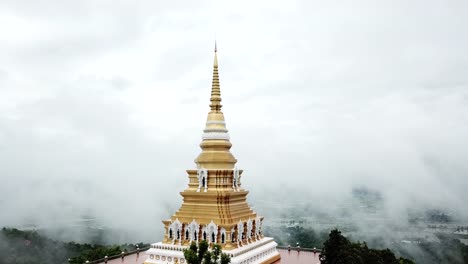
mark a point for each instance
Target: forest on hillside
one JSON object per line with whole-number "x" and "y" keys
{"x": 448, "y": 250}
{"x": 26, "y": 247}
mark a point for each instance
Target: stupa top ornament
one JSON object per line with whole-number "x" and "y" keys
{"x": 215, "y": 143}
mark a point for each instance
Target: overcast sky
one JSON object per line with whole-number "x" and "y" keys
{"x": 102, "y": 103}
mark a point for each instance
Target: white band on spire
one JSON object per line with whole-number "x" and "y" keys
{"x": 215, "y": 122}
{"x": 216, "y": 135}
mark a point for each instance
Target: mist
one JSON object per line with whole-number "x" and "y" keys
{"x": 102, "y": 108}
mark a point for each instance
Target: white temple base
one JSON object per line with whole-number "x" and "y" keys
{"x": 261, "y": 251}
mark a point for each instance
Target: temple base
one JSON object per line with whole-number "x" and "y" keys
{"x": 262, "y": 251}
{"x": 273, "y": 259}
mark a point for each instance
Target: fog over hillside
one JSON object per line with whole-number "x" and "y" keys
{"x": 102, "y": 107}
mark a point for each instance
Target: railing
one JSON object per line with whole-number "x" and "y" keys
{"x": 300, "y": 249}
{"x": 142, "y": 250}
{"x": 102, "y": 260}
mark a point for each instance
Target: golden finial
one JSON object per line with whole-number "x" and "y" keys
{"x": 215, "y": 90}
{"x": 215, "y": 144}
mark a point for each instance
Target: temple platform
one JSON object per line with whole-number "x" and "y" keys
{"x": 287, "y": 257}
{"x": 261, "y": 251}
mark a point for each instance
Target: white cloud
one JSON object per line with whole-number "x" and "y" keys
{"x": 104, "y": 102}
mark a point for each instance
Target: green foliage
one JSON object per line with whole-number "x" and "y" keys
{"x": 216, "y": 253}
{"x": 337, "y": 249}
{"x": 225, "y": 259}
{"x": 201, "y": 255}
{"x": 405, "y": 261}
{"x": 96, "y": 252}
{"x": 202, "y": 249}
{"x": 207, "y": 258}
{"x": 191, "y": 255}
{"x": 465, "y": 254}
{"x": 18, "y": 247}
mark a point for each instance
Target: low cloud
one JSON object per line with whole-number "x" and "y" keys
{"x": 101, "y": 118}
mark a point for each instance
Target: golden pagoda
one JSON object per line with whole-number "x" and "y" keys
{"x": 214, "y": 204}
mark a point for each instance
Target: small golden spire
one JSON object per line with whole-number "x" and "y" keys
{"x": 215, "y": 144}
{"x": 215, "y": 89}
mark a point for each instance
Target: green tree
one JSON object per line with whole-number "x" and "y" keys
{"x": 201, "y": 255}
{"x": 337, "y": 249}
{"x": 333, "y": 246}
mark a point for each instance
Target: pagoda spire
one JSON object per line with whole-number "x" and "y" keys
{"x": 214, "y": 207}
{"x": 215, "y": 144}
{"x": 215, "y": 89}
